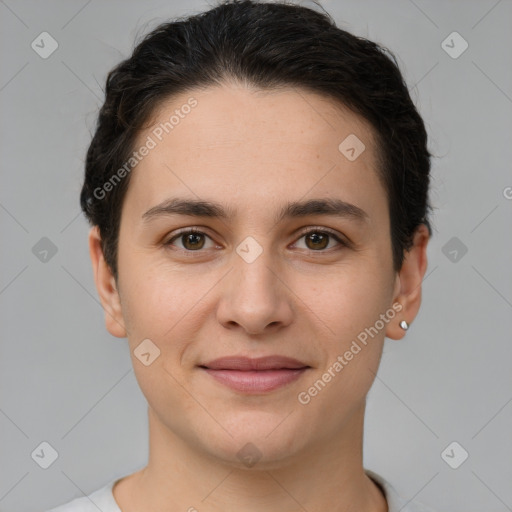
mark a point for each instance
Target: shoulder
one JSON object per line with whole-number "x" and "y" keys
{"x": 396, "y": 503}
{"x": 101, "y": 499}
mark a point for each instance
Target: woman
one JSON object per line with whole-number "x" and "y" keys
{"x": 257, "y": 188}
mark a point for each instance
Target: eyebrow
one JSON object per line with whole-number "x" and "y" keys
{"x": 294, "y": 209}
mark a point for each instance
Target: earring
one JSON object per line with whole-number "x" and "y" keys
{"x": 404, "y": 325}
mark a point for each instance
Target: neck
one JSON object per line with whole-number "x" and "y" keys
{"x": 329, "y": 476}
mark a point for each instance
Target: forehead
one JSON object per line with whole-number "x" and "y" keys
{"x": 230, "y": 113}
{"x": 253, "y": 145}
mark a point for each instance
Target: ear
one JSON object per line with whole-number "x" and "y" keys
{"x": 106, "y": 286}
{"x": 408, "y": 283}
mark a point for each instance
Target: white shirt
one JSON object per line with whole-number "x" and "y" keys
{"x": 103, "y": 499}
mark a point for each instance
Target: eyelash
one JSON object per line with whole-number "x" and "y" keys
{"x": 318, "y": 230}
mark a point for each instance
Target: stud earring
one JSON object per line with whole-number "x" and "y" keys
{"x": 404, "y": 325}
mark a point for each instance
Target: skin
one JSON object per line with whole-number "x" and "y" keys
{"x": 253, "y": 152}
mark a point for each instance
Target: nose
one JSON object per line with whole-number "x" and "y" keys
{"x": 254, "y": 298}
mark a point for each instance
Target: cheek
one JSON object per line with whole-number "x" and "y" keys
{"x": 351, "y": 298}
{"x": 166, "y": 305}
{"x": 349, "y": 305}
{"x": 158, "y": 306}
{"x": 149, "y": 288}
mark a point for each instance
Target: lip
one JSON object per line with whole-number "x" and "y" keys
{"x": 255, "y": 375}
{"x": 243, "y": 363}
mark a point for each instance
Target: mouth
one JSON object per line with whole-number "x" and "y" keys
{"x": 255, "y": 375}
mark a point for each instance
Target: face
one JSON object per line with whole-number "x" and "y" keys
{"x": 292, "y": 258}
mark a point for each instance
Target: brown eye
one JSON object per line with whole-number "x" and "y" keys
{"x": 316, "y": 240}
{"x": 320, "y": 239}
{"x": 190, "y": 240}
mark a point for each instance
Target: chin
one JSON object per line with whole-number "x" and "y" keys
{"x": 259, "y": 441}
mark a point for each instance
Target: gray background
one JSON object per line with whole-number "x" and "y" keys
{"x": 66, "y": 381}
